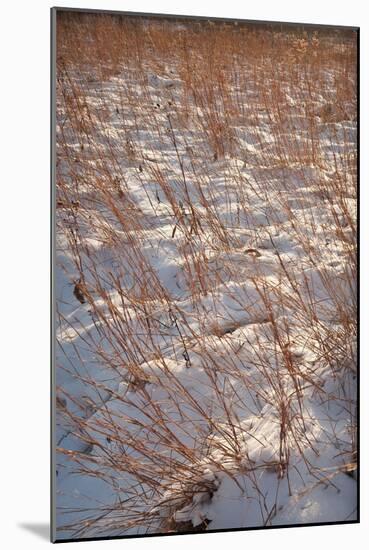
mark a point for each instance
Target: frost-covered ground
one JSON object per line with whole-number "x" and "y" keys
{"x": 206, "y": 321}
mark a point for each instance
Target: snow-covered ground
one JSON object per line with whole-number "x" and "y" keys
{"x": 205, "y": 284}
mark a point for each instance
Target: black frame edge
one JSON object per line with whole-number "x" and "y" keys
{"x": 53, "y": 12}
{"x": 202, "y": 18}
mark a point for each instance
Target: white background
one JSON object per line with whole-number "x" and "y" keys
{"x": 24, "y": 273}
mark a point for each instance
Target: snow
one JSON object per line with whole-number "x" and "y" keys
{"x": 219, "y": 301}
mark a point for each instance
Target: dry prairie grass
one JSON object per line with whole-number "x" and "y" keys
{"x": 206, "y": 223}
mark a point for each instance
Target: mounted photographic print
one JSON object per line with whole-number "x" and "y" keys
{"x": 204, "y": 259}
